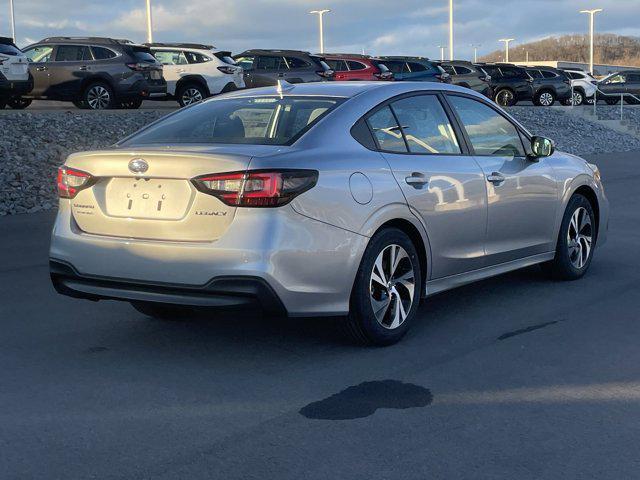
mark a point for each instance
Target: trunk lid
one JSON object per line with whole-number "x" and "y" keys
{"x": 148, "y": 194}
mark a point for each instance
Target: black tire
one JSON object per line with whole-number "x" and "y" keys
{"x": 611, "y": 101}
{"x": 190, "y": 93}
{"x": 131, "y": 103}
{"x": 545, "y": 98}
{"x": 229, "y": 87}
{"x": 80, "y": 104}
{"x": 631, "y": 101}
{"x": 505, "y": 97}
{"x": 577, "y": 99}
{"x": 163, "y": 311}
{"x": 563, "y": 267}
{"x": 362, "y": 325}
{"x": 98, "y": 96}
{"x": 19, "y": 103}
{"x": 3, "y": 103}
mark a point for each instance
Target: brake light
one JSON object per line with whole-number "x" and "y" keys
{"x": 71, "y": 181}
{"x": 138, "y": 67}
{"x": 228, "y": 69}
{"x": 257, "y": 188}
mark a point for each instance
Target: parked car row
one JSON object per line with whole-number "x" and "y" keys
{"x": 100, "y": 73}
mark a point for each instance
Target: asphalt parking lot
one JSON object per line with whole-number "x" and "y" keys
{"x": 517, "y": 377}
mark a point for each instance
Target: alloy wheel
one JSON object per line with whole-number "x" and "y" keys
{"x": 577, "y": 98}
{"x": 546, "y": 99}
{"x": 504, "y": 98}
{"x": 98, "y": 97}
{"x": 190, "y": 96}
{"x": 579, "y": 237}
{"x": 392, "y": 286}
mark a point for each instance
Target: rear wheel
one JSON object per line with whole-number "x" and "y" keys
{"x": 545, "y": 98}
{"x": 386, "y": 293}
{"x": 612, "y": 101}
{"x": 80, "y": 104}
{"x": 631, "y": 100}
{"x": 190, "y": 94}
{"x": 19, "y": 103}
{"x": 505, "y": 97}
{"x": 163, "y": 311}
{"x": 131, "y": 103}
{"x": 3, "y": 103}
{"x": 575, "y": 100}
{"x": 98, "y": 96}
{"x": 576, "y": 241}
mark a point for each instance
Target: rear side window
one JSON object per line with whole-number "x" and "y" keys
{"x": 534, "y": 73}
{"x": 9, "y": 50}
{"x": 247, "y": 120}
{"x": 548, "y": 74}
{"x": 449, "y": 69}
{"x": 195, "y": 57}
{"x": 425, "y": 125}
{"x": 337, "y": 65}
{"x": 294, "y": 63}
{"x": 490, "y": 133}
{"x": 101, "y": 53}
{"x": 72, "y": 53}
{"x": 386, "y": 131}
{"x": 417, "y": 67}
{"x": 356, "y": 65}
{"x": 460, "y": 70}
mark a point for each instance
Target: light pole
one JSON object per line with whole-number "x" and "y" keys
{"x": 475, "y": 51}
{"x": 149, "y": 26}
{"x": 320, "y": 14}
{"x": 592, "y": 13}
{"x": 451, "y": 30}
{"x": 442, "y": 49}
{"x": 13, "y": 20}
{"x": 506, "y": 47}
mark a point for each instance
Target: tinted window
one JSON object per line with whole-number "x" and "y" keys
{"x": 548, "y": 74}
{"x": 463, "y": 70}
{"x": 395, "y": 67}
{"x": 633, "y": 77}
{"x": 534, "y": 73}
{"x": 170, "y": 57}
{"x": 194, "y": 57}
{"x": 449, "y": 69}
{"x": 271, "y": 63}
{"x": 417, "y": 67}
{"x": 386, "y": 131}
{"x": 144, "y": 56}
{"x": 337, "y": 65}
{"x": 39, "y": 54}
{"x": 619, "y": 78}
{"x": 356, "y": 65}
{"x": 246, "y": 62}
{"x": 491, "y": 70}
{"x": 101, "y": 53}
{"x": 72, "y": 53}
{"x": 9, "y": 50}
{"x": 489, "y": 132}
{"x": 256, "y": 121}
{"x": 425, "y": 125}
{"x": 293, "y": 62}
{"x": 513, "y": 72}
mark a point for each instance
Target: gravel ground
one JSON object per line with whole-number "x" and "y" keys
{"x": 33, "y": 145}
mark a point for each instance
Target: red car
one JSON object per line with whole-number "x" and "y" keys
{"x": 357, "y": 67}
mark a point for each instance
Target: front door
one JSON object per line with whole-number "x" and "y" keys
{"x": 442, "y": 184}
{"x": 40, "y": 58}
{"x": 522, "y": 194}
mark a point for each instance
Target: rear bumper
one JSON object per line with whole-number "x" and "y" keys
{"x": 145, "y": 89}
{"x": 218, "y": 292}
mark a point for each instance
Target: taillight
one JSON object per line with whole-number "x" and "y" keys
{"x": 257, "y": 188}
{"x": 71, "y": 181}
{"x": 228, "y": 70}
{"x": 138, "y": 67}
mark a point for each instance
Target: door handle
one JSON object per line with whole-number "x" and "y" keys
{"x": 416, "y": 180}
{"x": 41, "y": 69}
{"x": 496, "y": 178}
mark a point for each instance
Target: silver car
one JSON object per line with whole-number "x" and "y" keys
{"x": 355, "y": 199}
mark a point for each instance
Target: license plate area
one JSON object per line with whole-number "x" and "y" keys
{"x": 148, "y": 198}
{"x": 154, "y": 75}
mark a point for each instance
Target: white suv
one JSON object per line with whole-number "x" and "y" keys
{"x": 584, "y": 87}
{"x": 14, "y": 74}
{"x": 194, "y": 72}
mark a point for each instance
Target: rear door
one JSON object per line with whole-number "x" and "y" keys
{"x": 443, "y": 185}
{"x": 522, "y": 194}
{"x": 268, "y": 69}
{"x": 70, "y": 67}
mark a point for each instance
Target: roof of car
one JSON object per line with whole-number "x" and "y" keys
{"x": 259, "y": 51}
{"x": 195, "y": 46}
{"x": 347, "y": 55}
{"x": 402, "y": 57}
{"x": 92, "y": 40}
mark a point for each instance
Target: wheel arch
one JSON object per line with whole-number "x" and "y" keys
{"x": 590, "y": 194}
{"x": 187, "y": 79}
{"x": 98, "y": 78}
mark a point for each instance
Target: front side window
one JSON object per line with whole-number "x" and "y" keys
{"x": 248, "y": 120}
{"x": 170, "y": 57}
{"x": 489, "y": 132}
{"x": 247, "y": 63}
{"x": 548, "y": 74}
{"x": 271, "y": 63}
{"x": 39, "y": 54}
{"x": 509, "y": 72}
{"x": 395, "y": 67}
{"x": 416, "y": 67}
{"x": 449, "y": 69}
{"x": 386, "y": 130}
{"x": 534, "y": 73}
{"x": 463, "y": 70}
{"x": 617, "y": 79}
{"x": 425, "y": 125}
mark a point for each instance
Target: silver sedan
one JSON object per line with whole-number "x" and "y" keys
{"x": 352, "y": 199}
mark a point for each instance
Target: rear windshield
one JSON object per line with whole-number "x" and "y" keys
{"x": 142, "y": 54}
{"x": 9, "y": 50}
{"x": 226, "y": 57}
{"x": 249, "y": 120}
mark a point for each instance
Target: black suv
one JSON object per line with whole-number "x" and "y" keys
{"x": 263, "y": 68}
{"x": 627, "y": 82}
{"x": 511, "y": 84}
{"x": 466, "y": 74}
{"x": 415, "y": 69}
{"x": 93, "y": 72}
{"x": 549, "y": 85}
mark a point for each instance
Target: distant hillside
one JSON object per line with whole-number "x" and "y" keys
{"x": 609, "y": 49}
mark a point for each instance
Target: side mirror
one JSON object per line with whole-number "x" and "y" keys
{"x": 542, "y": 147}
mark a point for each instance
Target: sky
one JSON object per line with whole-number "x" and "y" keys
{"x": 380, "y": 27}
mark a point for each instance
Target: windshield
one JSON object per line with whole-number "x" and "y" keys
{"x": 246, "y": 120}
